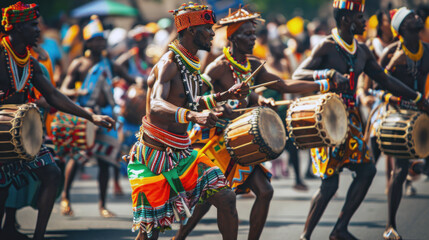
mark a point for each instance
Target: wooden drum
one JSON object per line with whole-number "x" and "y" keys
{"x": 72, "y": 132}
{"x": 404, "y": 134}
{"x": 21, "y": 132}
{"x": 317, "y": 121}
{"x": 256, "y": 136}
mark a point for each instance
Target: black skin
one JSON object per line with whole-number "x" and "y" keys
{"x": 23, "y": 35}
{"x": 242, "y": 43}
{"x": 326, "y": 56}
{"x": 166, "y": 93}
{"x": 395, "y": 58}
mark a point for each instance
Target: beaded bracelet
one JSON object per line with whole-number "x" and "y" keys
{"x": 324, "y": 85}
{"x": 180, "y": 115}
{"x": 320, "y": 74}
{"x": 418, "y": 98}
{"x": 209, "y": 101}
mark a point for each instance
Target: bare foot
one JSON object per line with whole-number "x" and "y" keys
{"x": 391, "y": 234}
{"x": 106, "y": 213}
{"x": 341, "y": 235}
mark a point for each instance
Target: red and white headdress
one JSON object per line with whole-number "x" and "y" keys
{"x": 18, "y": 12}
{"x": 192, "y": 14}
{"x": 351, "y": 5}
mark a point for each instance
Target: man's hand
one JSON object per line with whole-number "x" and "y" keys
{"x": 103, "y": 121}
{"x": 338, "y": 82}
{"x": 226, "y": 111}
{"x": 238, "y": 91}
{"x": 81, "y": 92}
{"x": 206, "y": 118}
{"x": 266, "y": 102}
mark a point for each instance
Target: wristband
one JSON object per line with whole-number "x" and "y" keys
{"x": 324, "y": 85}
{"x": 209, "y": 101}
{"x": 387, "y": 97}
{"x": 181, "y": 115}
{"x": 320, "y": 74}
{"x": 418, "y": 98}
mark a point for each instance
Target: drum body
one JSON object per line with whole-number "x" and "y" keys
{"x": 256, "y": 136}
{"x": 404, "y": 134}
{"x": 72, "y": 132}
{"x": 317, "y": 121}
{"x": 21, "y": 132}
{"x": 135, "y": 105}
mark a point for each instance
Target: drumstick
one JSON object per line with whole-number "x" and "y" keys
{"x": 283, "y": 102}
{"x": 244, "y": 109}
{"x": 264, "y": 84}
{"x": 209, "y": 144}
{"x": 255, "y": 72}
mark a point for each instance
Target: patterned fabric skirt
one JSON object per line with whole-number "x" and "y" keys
{"x": 330, "y": 161}
{"x": 235, "y": 173}
{"x": 15, "y": 172}
{"x": 158, "y": 199}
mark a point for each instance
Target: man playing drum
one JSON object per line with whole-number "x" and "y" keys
{"x": 232, "y": 67}
{"x": 407, "y": 60}
{"x": 18, "y": 73}
{"x": 341, "y": 54}
{"x": 89, "y": 81}
{"x": 167, "y": 177}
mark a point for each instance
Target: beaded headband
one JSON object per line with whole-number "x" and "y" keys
{"x": 18, "y": 12}
{"x": 192, "y": 14}
{"x": 351, "y": 5}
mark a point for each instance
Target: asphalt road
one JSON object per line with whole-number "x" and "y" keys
{"x": 285, "y": 220}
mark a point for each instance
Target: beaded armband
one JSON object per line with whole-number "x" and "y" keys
{"x": 324, "y": 85}
{"x": 320, "y": 74}
{"x": 210, "y": 101}
{"x": 418, "y": 98}
{"x": 180, "y": 115}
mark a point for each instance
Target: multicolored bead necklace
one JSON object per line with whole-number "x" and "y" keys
{"x": 239, "y": 72}
{"x": 413, "y": 61}
{"x": 349, "y": 52}
{"x": 21, "y": 84}
{"x": 192, "y": 62}
{"x": 190, "y": 75}
{"x": 349, "y": 48}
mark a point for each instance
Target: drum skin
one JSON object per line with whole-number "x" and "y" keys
{"x": 317, "y": 121}
{"x": 21, "y": 132}
{"x": 404, "y": 134}
{"x": 255, "y": 137}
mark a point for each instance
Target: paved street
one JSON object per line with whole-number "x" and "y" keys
{"x": 285, "y": 221}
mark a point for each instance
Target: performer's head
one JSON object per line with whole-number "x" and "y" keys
{"x": 383, "y": 26}
{"x": 21, "y": 21}
{"x": 348, "y": 15}
{"x": 241, "y": 29}
{"x": 140, "y": 34}
{"x": 93, "y": 36}
{"x": 195, "y": 22}
{"x": 405, "y": 21}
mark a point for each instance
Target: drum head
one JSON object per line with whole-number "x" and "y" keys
{"x": 91, "y": 130}
{"x": 421, "y": 136}
{"x": 272, "y": 130}
{"x": 334, "y": 118}
{"x": 32, "y": 132}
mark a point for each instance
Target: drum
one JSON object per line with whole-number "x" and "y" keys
{"x": 404, "y": 134}
{"x": 21, "y": 132}
{"x": 255, "y": 137}
{"x": 317, "y": 121}
{"x": 135, "y": 105}
{"x": 72, "y": 132}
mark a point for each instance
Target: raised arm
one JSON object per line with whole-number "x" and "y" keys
{"x": 61, "y": 102}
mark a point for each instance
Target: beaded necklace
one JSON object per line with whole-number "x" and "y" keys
{"x": 349, "y": 48}
{"x": 349, "y": 52}
{"x": 192, "y": 82}
{"x": 192, "y": 62}
{"x": 235, "y": 63}
{"x": 413, "y": 61}
{"x": 21, "y": 60}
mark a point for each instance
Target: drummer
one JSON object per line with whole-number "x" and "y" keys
{"x": 235, "y": 66}
{"x": 409, "y": 53}
{"x": 167, "y": 177}
{"x": 20, "y": 28}
{"x": 341, "y": 54}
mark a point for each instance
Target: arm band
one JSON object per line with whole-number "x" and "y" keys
{"x": 324, "y": 85}
{"x": 181, "y": 115}
{"x": 209, "y": 101}
{"x": 320, "y": 74}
